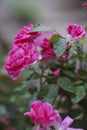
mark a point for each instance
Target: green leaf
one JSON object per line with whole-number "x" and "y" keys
{"x": 50, "y": 79}
{"x": 31, "y": 99}
{"x": 66, "y": 84}
{"x": 54, "y": 38}
{"x": 21, "y": 127}
{"x": 79, "y": 94}
{"x": 78, "y": 82}
{"x": 70, "y": 74}
{"x": 85, "y": 86}
{"x": 60, "y": 46}
{"x": 48, "y": 93}
{"x": 41, "y": 27}
{"x": 30, "y": 128}
{"x": 82, "y": 74}
{"x": 75, "y": 113}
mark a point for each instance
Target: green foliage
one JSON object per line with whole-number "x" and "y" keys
{"x": 85, "y": 86}
{"x": 48, "y": 93}
{"x": 41, "y": 27}
{"x": 54, "y": 38}
{"x": 79, "y": 94}
{"x": 29, "y": 129}
{"x": 60, "y": 46}
{"x": 66, "y": 84}
{"x": 66, "y": 91}
{"x": 70, "y": 74}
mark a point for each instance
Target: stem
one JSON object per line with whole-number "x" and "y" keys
{"x": 46, "y": 128}
{"x": 41, "y": 78}
{"x": 38, "y": 126}
{"x": 33, "y": 70}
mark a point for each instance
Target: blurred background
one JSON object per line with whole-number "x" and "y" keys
{"x": 14, "y": 14}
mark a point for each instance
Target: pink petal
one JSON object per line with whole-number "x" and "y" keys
{"x": 74, "y": 129}
{"x": 67, "y": 121}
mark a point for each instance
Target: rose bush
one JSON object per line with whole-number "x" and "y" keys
{"x": 56, "y": 76}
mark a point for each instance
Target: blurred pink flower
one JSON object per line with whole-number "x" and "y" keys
{"x": 56, "y": 72}
{"x": 19, "y": 57}
{"x": 4, "y": 121}
{"x": 43, "y": 113}
{"x": 76, "y": 31}
{"x": 84, "y": 5}
{"x": 7, "y": 124}
{"x": 11, "y": 128}
{"x": 76, "y": 70}
{"x": 64, "y": 125}
{"x": 64, "y": 56}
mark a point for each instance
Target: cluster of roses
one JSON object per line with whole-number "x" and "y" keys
{"x": 44, "y": 116}
{"x": 29, "y": 47}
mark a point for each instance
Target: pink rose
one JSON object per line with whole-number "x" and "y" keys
{"x": 77, "y": 32}
{"x": 19, "y": 57}
{"x": 47, "y": 51}
{"x": 43, "y": 113}
{"x": 43, "y": 41}
{"x": 24, "y": 35}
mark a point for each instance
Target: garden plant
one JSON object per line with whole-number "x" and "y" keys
{"x": 54, "y": 91}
